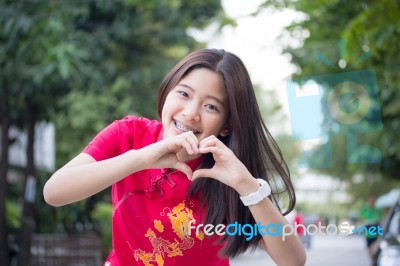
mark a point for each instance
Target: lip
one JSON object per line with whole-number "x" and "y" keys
{"x": 186, "y": 126}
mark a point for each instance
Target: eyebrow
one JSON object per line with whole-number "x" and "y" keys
{"x": 207, "y": 96}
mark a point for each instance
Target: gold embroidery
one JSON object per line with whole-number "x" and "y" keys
{"x": 159, "y": 226}
{"x": 200, "y": 235}
{"x": 180, "y": 216}
{"x": 180, "y": 219}
{"x": 147, "y": 257}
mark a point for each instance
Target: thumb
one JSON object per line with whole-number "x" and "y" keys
{"x": 202, "y": 173}
{"x": 183, "y": 168}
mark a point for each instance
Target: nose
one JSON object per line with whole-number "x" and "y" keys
{"x": 191, "y": 111}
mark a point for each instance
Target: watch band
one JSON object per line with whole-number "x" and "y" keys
{"x": 254, "y": 198}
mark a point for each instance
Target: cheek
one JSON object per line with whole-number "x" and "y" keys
{"x": 164, "y": 114}
{"x": 215, "y": 125}
{"x": 169, "y": 109}
{"x": 167, "y": 106}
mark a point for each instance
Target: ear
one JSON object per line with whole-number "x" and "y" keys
{"x": 224, "y": 132}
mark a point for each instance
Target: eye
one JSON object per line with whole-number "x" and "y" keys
{"x": 212, "y": 107}
{"x": 184, "y": 94}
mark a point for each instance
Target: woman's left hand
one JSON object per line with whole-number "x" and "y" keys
{"x": 228, "y": 169}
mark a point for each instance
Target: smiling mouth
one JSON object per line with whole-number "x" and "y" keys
{"x": 182, "y": 128}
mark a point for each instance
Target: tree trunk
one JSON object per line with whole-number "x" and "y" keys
{"x": 28, "y": 223}
{"x": 5, "y": 142}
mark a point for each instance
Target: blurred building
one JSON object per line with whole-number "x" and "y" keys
{"x": 44, "y": 151}
{"x": 318, "y": 189}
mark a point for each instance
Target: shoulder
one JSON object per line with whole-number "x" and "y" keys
{"x": 132, "y": 122}
{"x": 137, "y": 132}
{"x": 137, "y": 120}
{"x": 128, "y": 133}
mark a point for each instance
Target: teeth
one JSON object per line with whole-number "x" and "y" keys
{"x": 181, "y": 127}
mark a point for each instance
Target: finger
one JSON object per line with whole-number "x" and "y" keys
{"x": 183, "y": 168}
{"x": 194, "y": 142}
{"x": 213, "y": 150}
{"x": 203, "y": 173}
{"x": 174, "y": 145}
{"x": 186, "y": 144}
{"x": 209, "y": 141}
{"x": 208, "y": 138}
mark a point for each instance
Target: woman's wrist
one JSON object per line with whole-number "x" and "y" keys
{"x": 139, "y": 159}
{"x": 247, "y": 186}
{"x": 254, "y": 198}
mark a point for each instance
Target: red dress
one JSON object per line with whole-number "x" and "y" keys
{"x": 151, "y": 211}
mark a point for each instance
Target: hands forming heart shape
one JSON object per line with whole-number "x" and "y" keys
{"x": 174, "y": 151}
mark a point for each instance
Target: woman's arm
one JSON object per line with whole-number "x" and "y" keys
{"x": 289, "y": 251}
{"x": 231, "y": 171}
{"x": 83, "y": 176}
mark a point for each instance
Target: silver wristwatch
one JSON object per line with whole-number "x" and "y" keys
{"x": 254, "y": 198}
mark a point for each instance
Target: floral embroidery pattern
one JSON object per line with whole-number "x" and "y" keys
{"x": 179, "y": 218}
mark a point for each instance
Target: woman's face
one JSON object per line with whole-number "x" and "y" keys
{"x": 198, "y": 103}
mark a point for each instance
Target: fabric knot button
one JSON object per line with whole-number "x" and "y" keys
{"x": 155, "y": 182}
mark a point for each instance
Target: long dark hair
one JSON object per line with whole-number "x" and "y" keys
{"x": 248, "y": 138}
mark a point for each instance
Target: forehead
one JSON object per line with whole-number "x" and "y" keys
{"x": 205, "y": 82}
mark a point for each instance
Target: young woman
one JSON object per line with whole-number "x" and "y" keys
{"x": 211, "y": 160}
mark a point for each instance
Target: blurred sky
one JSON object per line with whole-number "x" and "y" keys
{"x": 254, "y": 40}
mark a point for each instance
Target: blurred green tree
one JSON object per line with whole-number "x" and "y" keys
{"x": 337, "y": 36}
{"x": 133, "y": 46}
{"x": 82, "y": 65}
{"x": 37, "y": 57}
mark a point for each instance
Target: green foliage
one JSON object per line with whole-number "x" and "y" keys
{"x": 84, "y": 64}
{"x": 132, "y": 45}
{"x": 39, "y": 56}
{"x": 13, "y": 214}
{"x": 351, "y": 31}
{"x": 102, "y": 217}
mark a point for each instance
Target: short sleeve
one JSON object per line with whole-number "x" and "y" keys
{"x": 105, "y": 144}
{"x": 122, "y": 135}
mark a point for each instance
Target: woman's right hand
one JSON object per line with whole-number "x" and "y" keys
{"x": 83, "y": 176}
{"x": 172, "y": 152}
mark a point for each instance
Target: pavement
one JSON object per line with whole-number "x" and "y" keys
{"x": 324, "y": 251}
